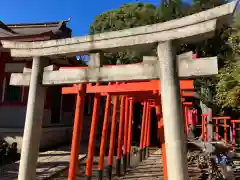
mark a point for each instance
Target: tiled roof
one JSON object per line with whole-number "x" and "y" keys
{"x": 58, "y": 29}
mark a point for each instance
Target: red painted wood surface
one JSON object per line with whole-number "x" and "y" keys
{"x": 77, "y": 132}
{"x": 92, "y": 136}
{"x": 153, "y": 85}
{"x": 113, "y": 132}
{"x": 104, "y": 133}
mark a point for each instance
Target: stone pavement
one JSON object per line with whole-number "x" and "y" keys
{"x": 150, "y": 169}
{"x": 49, "y": 163}
{"x": 82, "y": 168}
{"x": 54, "y": 165}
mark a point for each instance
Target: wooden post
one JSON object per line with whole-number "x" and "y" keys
{"x": 145, "y": 131}
{"x": 120, "y": 133}
{"x": 142, "y": 131}
{"x": 149, "y": 130}
{"x": 77, "y": 132}
{"x": 234, "y": 134}
{"x": 92, "y": 138}
{"x": 164, "y": 159}
{"x": 130, "y": 121}
{"x": 204, "y": 127}
{"x": 162, "y": 141}
{"x": 225, "y": 126}
{"x": 185, "y": 113}
{"x": 33, "y": 122}
{"x": 125, "y": 134}
{"x": 103, "y": 139}
{"x": 112, "y": 137}
{"x": 172, "y": 112}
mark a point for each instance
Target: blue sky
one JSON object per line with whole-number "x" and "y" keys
{"x": 82, "y": 12}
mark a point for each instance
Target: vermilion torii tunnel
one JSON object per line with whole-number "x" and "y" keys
{"x": 145, "y": 92}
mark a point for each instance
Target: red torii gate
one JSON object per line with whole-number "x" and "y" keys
{"x": 143, "y": 91}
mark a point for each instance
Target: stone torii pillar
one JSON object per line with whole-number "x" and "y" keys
{"x": 172, "y": 111}
{"x": 33, "y": 122}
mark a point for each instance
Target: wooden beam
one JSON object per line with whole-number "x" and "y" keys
{"x": 128, "y": 87}
{"x": 138, "y": 94}
{"x": 131, "y": 72}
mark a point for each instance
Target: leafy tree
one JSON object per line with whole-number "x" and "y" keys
{"x": 127, "y": 16}
{"x": 206, "y": 87}
{"x": 173, "y": 9}
{"x": 202, "y": 5}
{"x": 228, "y": 85}
{"x": 133, "y": 15}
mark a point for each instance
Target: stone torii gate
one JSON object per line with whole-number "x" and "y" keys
{"x": 165, "y": 67}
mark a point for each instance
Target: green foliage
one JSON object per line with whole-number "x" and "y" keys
{"x": 127, "y": 16}
{"x": 228, "y": 85}
{"x": 173, "y": 10}
{"x": 206, "y": 87}
{"x": 202, "y": 5}
{"x": 133, "y": 15}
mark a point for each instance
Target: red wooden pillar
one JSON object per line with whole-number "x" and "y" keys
{"x": 130, "y": 130}
{"x": 145, "y": 131}
{"x": 112, "y": 137}
{"x": 103, "y": 138}
{"x": 204, "y": 127}
{"x": 77, "y": 132}
{"x": 162, "y": 141}
{"x": 120, "y": 133}
{"x": 185, "y": 110}
{"x": 164, "y": 159}
{"x": 91, "y": 145}
{"x": 149, "y": 130}
{"x": 225, "y": 129}
{"x": 234, "y": 134}
{"x": 190, "y": 121}
{"x": 142, "y": 130}
{"x": 125, "y": 134}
